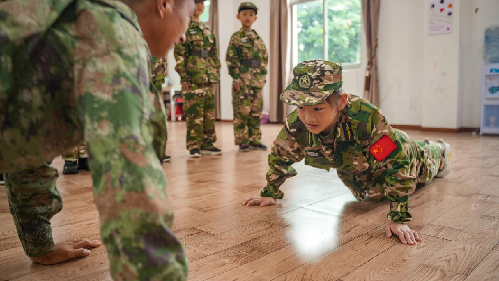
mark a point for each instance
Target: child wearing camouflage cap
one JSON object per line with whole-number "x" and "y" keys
{"x": 247, "y": 59}
{"x": 198, "y": 65}
{"x": 330, "y": 129}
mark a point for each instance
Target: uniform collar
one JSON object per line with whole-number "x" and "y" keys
{"x": 243, "y": 32}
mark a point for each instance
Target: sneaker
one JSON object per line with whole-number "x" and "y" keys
{"x": 194, "y": 153}
{"x": 70, "y": 167}
{"x": 83, "y": 164}
{"x": 244, "y": 148}
{"x": 2, "y": 181}
{"x": 165, "y": 159}
{"x": 212, "y": 151}
{"x": 447, "y": 155}
{"x": 258, "y": 147}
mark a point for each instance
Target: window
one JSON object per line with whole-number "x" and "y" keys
{"x": 327, "y": 29}
{"x": 206, "y": 14}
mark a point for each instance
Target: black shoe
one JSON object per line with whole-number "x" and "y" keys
{"x": 83, "y": 164}
{"x": 166, "y": 159}
{"x": 70, "y": 167}
{"x": 244, "y": 148}
{"x": 258, "y": 146}
{"x": 194, "y": 153}
{"x": 2, "y": 181}
{"x": 212, "y": 151}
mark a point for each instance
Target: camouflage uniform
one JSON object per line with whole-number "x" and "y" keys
{"x": 199, "y": 65}
{"x": 353, "y": 147}
{"x": 63, "y": 77}
{"x": 247, "y": 60}
{"x": 158, "y": 75}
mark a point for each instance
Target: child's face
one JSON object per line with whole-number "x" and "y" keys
{"x": 199, "y": 9}
{"x": 247, "y": 18}
{"x": 321, "y": 118}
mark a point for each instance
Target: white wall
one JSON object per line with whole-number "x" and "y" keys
{"x": 432, "y": 81}
{"x": 472, "y": 45}
{"x": 400, "y": 57}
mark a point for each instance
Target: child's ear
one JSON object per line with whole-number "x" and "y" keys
{"x": 343, "y": 101}
{"x": 256, "y": 18}
{"x": 238, "y": 17}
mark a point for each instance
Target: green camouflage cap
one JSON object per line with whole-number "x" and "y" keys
{"x": 313, "y": 81}
{"x": 247, "y": 6}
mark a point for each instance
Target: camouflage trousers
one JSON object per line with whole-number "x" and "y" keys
{"x": 427, "y": 158}
{"x": 199, "y": 109}
{"x": 76, "y": 153}
{"x": 33, "y": 201}
{"x": 247, "y": 104}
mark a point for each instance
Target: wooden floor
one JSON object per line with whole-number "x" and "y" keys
{"x": 318, "y": 232}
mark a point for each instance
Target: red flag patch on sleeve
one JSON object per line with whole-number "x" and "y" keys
{"x": 382, "y": 148}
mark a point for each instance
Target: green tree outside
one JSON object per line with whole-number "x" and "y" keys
{"x": 344, "y": 30}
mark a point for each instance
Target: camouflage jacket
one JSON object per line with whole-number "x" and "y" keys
{"x": 194, "y": 68}
{"x": 347, "y": 149}
{"x": 247, "y": 46}
{"x": 159, "y": 71}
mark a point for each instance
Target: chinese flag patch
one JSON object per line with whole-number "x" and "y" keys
{"x": 382, "y": 148}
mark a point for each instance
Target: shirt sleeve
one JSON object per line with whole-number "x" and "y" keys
{"x": 391, "y": 176}
{"x": 180, "y": 53}
{"x": 214, "y": 54}
{"x": 285, "y": 151}
{"x": 233, "y": 59}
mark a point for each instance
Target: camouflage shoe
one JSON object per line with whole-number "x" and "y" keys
{"x": 313, "y": 81}
{"x": 247, "y": 6}
{"x": 447, "y": 155}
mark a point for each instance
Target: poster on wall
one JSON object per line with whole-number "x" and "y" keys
{"x": 440, "y": 16}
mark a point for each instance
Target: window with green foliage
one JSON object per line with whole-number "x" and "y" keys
{"x": 327, "y": 29}
{"x": 205, "y": 17}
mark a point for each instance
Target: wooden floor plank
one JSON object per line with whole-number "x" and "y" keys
{"x": 317, "y": 232}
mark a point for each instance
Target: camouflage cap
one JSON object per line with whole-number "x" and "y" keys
{"x": 313, "y": 81}
{"x": 247, "y": 6}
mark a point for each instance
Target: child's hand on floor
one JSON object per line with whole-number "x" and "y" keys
{"x": 262, "y": 201}
{"x": 405, "y": 234}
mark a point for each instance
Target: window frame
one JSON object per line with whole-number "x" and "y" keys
{"x": 325, "y": 34}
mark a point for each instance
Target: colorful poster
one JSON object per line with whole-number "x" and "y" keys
{"x": 440, "y": 16}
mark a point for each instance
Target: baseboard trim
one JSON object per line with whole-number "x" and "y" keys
{"x": 430, "y": 129}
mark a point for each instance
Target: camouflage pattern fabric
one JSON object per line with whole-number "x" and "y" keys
{"x": 247, "y": 6}
{"x": 158, "y": 75}
{"x": 76, "y": 153}
{"x": 90, "y": 76}
{"x": 33, "y": 201}
{"x": 247, "y": 103}
{"x": 201, "y": 73}
{"x": 347, "y": 149}
{"x": 313, "y": 81}
{"x": 195, "y": 69}
{"x": 159, "y": 72}
{"x": 199, "y": 108}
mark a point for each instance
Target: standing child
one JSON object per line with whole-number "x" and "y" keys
{"x": 330, "y": 129}
{"x": 247, "y": 59}
{"x": 198, "y": 65}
